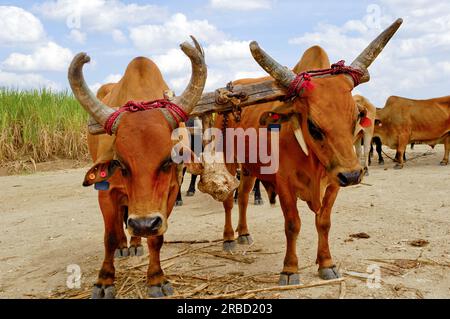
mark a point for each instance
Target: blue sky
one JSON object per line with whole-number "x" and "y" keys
{"x": 39, "y": 38}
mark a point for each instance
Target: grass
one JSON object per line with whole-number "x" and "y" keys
{"x": 41, "y": 125}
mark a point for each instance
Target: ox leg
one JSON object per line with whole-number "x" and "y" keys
{"x": 122, "y": 251}
{"x": 136, "y": 248}
{"x": 245, "y": 187}
{"x": 258, "y": 198}
{"x": 104, "y": 287}
{"x": 327, "y": 269}
{"x": 401, "y": 149}
{"x": 367, "y": 146}
{"x": 446, "y": 151}
{"x": 157, "y": 284}
{"x": 379, "y": 149}
{"x": 292, "y": 224}
{"x": 229, "y": 244}
{"x": 191, "y": 190}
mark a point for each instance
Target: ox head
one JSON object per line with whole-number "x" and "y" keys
{"x": 324, "y": 117}
{"x": 142, "y": 148}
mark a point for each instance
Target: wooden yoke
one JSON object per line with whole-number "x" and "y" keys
{"x": 224, "y": 99}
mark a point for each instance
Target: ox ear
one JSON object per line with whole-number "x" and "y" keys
{"x": 277, "y": 115}
{"x": 101, "y": 172}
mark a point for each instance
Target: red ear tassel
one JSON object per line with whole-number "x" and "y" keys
{"x": 275, "y": 116}
{"x": 308, "y": 85}
{"x": 365, "y": 122}
{"x": 103, "y": 174}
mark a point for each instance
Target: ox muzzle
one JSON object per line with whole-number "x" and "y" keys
{"x": 144, "y": 226}
{"x": 350, "y": 178}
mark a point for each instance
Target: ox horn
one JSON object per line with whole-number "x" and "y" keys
{"x": 99, "y": 111}
{"x": 280, "y": 73}
{"x": 193, "y": 92}
{"x": 365, "y": 59}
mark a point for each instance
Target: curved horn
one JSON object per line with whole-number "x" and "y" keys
{"x": 280, "y": 73}
{"x": 99, "y": 111}
{"x": 365, "y": 59}
{"x": 193, "y": 92}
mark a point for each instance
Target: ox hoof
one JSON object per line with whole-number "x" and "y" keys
{"x": 259, "y": 201}
{"x": 329, "y": 273}
{"x": 289, "y": 279}
{"x": 121, "y": 253}
{"x": 160, "y": 291}
{"x": 136, "y": 250}
{"x": 229, "y": 246}
{"x": 398, "y": 166}
{"x": 179, "y": 203}
{"x": 245, "y": 240}
{"x": 381, "y": 162}
{"x": 366, "y": 172}
{"x": 103, "y": 292}
{"x": 444, "y": 163}
{"x": 190, "y": 193}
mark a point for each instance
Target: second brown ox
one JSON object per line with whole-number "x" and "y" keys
{"x": 316, "y": 150}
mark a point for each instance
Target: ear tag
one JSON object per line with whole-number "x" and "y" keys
{"x": 102, "y": 186}
{"x": 274, "y": 127}
{"x": 92, "y": 176}
{"x": 365, "y": 122}
{"x": 103, "y": 174}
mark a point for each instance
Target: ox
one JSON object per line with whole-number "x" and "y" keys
{"x": 316, "y": 149}
{"x": 143, "y": 179}
{"x": 403, "y": 121}
{"x": 364, "y": 128}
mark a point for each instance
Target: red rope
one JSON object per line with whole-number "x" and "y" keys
{"x": 132, "y": 106}
{"x": 303, "y": 80}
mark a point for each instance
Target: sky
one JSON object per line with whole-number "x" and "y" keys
{"x": 38, "y": 40}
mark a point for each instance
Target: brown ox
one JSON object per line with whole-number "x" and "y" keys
{"x": 143, "y": 179}
{"x": 317, "y": 155}
{"x": 364, "y": 133}
{"x": 403, "y": 121}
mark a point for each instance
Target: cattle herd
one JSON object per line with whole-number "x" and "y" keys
{"x": 317, "y": 122}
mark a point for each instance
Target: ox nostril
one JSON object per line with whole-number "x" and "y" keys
{"x": 133, "y": 223}
{"x": 153, "y": 224}
{"x": 343, "y": 181}
{"x": 350, "y": 178}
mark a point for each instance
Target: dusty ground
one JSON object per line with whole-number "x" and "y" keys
{"x": 49, "y": 222}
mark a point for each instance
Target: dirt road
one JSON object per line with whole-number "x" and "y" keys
{"x": 50, "y": 222}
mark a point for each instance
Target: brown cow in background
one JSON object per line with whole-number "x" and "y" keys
{"x": 403, "y": 121}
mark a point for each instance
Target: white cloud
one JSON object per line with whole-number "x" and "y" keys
{"x": 26, "y": 81}
{"x": 48, "y": 57}
{"x": 158, "y": 38}
{"x": 241, "y": 5}
{"x": 101, "y": 15}
{"x": 77, "y": 36}
{"x": 19, "y": 26}
{"x": 118, "y": 36}
{"x": 227, "y": 60}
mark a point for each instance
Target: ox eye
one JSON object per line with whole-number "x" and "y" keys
{"x": 315, "y": 131}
